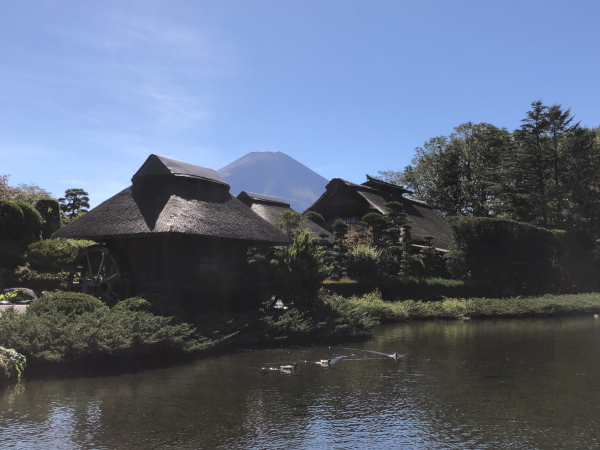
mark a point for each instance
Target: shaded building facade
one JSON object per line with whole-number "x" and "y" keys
{"x": 350, "y": 202}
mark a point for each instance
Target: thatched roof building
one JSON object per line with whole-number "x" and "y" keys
{"x": 176, "y": 222}
{"x": 270, "y": 208}
{"x": 169, "y": 196}
{"x": 350, "y": 202}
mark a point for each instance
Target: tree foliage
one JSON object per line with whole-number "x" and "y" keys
{"x": 547, "y": 172}
{"x": 31, "y": 193}
{"x": 460, "y": 174}
{"x": 301, "y": 271}
{"x": 289, "y": 222}
{"x": 6, "y": 192}
{"x": 75, "y": 202}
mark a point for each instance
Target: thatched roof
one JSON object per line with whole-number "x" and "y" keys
{"x": 343, "y": 199}
{"x": 157, "y": 165}
{"x": 270, "y": 208}
{"x": 249, "y": 197}
{"x": 168, "y": 196}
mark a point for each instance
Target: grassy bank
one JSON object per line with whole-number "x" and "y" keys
{"x": 412, "y": 288}
{"x": 453, "y": 308}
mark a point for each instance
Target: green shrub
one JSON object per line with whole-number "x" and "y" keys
{"x": 33, "y": 222}
{"x": 55, "y": 337}
{"x": 55, "y": 255}
{"x": 157, "y": 304}
{"x": 12, "y": 364}
{"x": 20, "y": 224}
{"x": 302, "y": 271}
{"x": 12, "y": 221}
{"x": 332, "y": 317}
{"x": 133, "y": 304}
{"x": 24, "y": 276}
{"x": 66, "y": 303}
{"x": 11, "y": 254}
{"x": 362, "y": 261}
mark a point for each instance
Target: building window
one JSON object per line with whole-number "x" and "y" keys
{"x": 207, "y": 264}
{"x": 348, "y": 220}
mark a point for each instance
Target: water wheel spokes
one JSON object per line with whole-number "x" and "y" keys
{"x": 100, "y": 273}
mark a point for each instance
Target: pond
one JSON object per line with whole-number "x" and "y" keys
{"x": 528, "y": 383}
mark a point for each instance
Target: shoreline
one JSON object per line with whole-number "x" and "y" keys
{"x": 247, "y": 332}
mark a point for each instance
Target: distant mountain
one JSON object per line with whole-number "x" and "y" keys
{"x": 275, "y": 174}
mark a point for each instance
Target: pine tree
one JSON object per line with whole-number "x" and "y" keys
{"x": 75, "y": 202}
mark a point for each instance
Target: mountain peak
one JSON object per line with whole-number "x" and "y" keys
{"x": 275, "y": 174}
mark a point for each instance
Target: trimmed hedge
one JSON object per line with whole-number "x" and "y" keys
{"x": 520, "y": 257}
{"x": 39, "y": 281}
{"x": 20, "y": 224}
{"x": 49, "y": 209}
{"x": 55, "y": 255}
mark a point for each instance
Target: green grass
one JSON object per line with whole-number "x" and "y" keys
{"x": 407, "y": 288}
{"x": 455, "y": 308}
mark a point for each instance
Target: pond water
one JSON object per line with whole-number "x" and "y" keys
{"x": 532, "y": 383}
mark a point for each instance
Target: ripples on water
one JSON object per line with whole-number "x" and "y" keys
{"x": 478, "y": 384}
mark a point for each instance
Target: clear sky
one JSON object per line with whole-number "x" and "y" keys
{"x": 89, "y": 89}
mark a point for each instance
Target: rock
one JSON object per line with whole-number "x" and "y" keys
{"x": 25, "y": 295}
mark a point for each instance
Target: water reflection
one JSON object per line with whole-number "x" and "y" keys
{"x": 476, "y": 384}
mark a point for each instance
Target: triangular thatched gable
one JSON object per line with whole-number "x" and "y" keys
{"x": 270, "y": 208}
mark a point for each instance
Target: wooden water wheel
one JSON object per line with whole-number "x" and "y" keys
{"x": 102, "y": 273}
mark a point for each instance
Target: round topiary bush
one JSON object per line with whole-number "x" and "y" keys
{"x": 12, "y": 221}
{"x": 67, "y": 303}
{"x": 32, "y": 231}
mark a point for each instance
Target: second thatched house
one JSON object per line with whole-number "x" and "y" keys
{"x": 270, "y": 208}
{"x": 350, "y": 202}
{"x": 175, "y": 224}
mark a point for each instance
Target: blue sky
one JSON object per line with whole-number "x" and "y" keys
{"x": 346, "y": 87}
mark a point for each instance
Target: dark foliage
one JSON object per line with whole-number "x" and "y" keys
{"x": 157, "y": 304}
{"x": 67, "y": 303}
{"x": 49, "y": 209}
{"x": 520, "y": 257}
{"x": 315, "y": 217}
{"x": 20, "y": 224}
